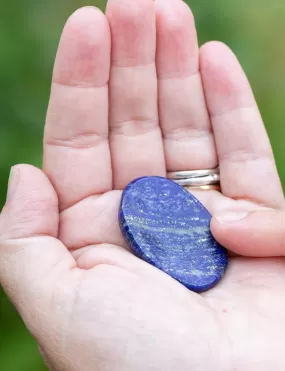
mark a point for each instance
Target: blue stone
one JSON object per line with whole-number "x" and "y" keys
{"x": 168, "y": 227}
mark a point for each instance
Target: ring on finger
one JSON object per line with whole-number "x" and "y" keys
{"x": 206, "y": 179}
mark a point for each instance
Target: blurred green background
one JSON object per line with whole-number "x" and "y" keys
{"x": 29, "y": 34}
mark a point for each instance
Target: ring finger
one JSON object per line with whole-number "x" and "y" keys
{"x": 185, "y": 124}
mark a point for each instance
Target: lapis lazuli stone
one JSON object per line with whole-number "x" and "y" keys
{"x": 168, "y": 227}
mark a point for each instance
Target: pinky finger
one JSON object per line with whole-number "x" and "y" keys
{"x": 246, "y": 160}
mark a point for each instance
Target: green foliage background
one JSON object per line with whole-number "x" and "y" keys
{"x": 29, "y": 34}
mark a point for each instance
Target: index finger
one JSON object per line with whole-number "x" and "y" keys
{"x": 76, "y": 147}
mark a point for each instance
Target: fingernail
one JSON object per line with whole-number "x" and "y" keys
{"x": 13, "y": 181}
{"x": 230, "y": 217}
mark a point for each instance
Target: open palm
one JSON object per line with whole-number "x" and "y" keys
{"x": 133, "y": 95}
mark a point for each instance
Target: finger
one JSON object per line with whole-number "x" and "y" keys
{"x": 255, "y": 234}
{"x": 135, "y": 136}
{"x": 76, "y": 149}
{"x": 30, "y": 255}
{"x": 184, "y": 119}
{"x": 31, "y": 208}
{"x": 246, "y": 160}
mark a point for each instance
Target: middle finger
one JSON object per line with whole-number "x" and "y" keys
{"x": 135, "y": 137}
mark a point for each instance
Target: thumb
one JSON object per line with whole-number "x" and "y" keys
{"x": 256, "y": 234}
{"x": 31, "y": 207}
{"x": 30, "y": 254}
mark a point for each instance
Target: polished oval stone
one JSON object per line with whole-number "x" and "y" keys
{"x": 169, "y": 228}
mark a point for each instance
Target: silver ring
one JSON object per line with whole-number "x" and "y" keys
{"x": 196, "y": 179}
{"x": 175, "y": 175}
{"x": 201, "y": 181}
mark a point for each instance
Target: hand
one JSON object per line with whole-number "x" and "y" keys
{"x": 63, "y": 262}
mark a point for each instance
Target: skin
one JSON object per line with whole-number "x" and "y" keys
{"x": 133, "y": 95}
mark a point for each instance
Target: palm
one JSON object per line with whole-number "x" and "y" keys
{"x": 237, "y": 311}
{"x": 122, "y": 299}
{"x": 123, "y": 313}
